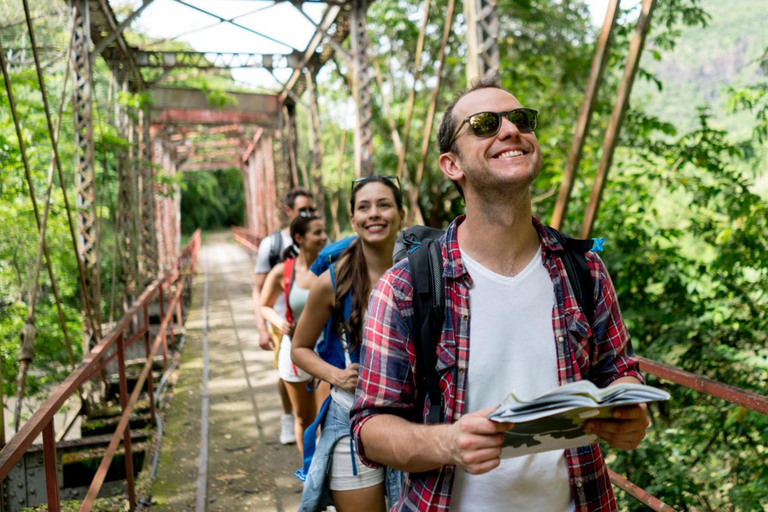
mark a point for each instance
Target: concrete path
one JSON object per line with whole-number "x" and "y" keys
{"x": 248, "y": 469}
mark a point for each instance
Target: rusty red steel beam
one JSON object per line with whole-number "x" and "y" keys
{"x": 123, "y": 405}
{"x": 639, "y": 493}
{"x": 705, "y": 385}
{"x": 147, "y": 349}
{"x": 246, "y": 238}
{"x": 210, "y": 116}
{"x": 101, "y": 472}
{"x": 51, "y": 469}
{"x": 210, "y": 166}
{"x": 252, "y": 145}
{"x": 105, "y": 361}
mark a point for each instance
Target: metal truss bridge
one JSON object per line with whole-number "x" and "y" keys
{"x": 178, "y": 131}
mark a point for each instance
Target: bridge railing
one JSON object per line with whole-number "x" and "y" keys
{"x": 246, "y": 238}
{"x": 110, "y": 347}
{"x": 698, "y": 383}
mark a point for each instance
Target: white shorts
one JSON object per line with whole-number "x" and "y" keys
{"x": 288, "y": 371}
{"x": 342, "y": 477}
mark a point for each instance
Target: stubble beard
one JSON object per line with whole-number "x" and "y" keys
{"x": 497, "y": 191}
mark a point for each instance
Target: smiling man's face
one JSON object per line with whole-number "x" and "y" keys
{"x": 509, "y": 158}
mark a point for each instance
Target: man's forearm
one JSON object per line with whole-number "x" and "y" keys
{"x": 261, "y": 324}
{"x": 258, "y": 284}
{"x": 401, "y": 444}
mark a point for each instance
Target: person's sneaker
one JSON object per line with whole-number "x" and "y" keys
{"x": 287, "y": 435}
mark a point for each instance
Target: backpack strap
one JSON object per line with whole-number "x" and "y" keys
{"x": 289, "y": 275}
{"x": 275, "y": 248}
{"x": 346, "y": 311}
{"x": 577, "y": 268}
{"x": 426, "y": 262}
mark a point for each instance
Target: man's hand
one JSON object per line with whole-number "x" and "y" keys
{"x": 474, "y": 442}
{"x": 265, "y": 340}
{"x": 625, "y": 430}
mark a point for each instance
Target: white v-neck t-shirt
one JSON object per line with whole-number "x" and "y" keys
{"x": 512, "y": 347}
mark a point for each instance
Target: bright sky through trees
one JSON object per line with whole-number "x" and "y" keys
{"x": 281, "y": 22}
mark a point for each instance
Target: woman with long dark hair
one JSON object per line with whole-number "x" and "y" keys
{"x": 337, "y": 303}
{"x": 293, "y": 278}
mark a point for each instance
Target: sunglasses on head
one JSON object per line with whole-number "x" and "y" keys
{"x": 362, "y": 181}
{"x": 488, "y": 124}
{"x": 307, "y": 214}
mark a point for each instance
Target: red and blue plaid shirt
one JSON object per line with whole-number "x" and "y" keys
{"x": 601, "y": 353}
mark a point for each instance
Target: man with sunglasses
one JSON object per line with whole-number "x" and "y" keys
{"x": 297, "y": 200}
{"x": 504, "y": 275}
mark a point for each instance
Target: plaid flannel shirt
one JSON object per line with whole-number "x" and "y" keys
{"x": 601, "y": 353}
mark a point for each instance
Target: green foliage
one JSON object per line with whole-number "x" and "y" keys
{"x": 688, "y": 252}
{"x": 212, "y": 200}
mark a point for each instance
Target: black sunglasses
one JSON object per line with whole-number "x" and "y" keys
{"x": 308, "y": 214}
{"x": 488, "y": 124}
{"x": 307, "y": 209}
{"x": 362, "y": 181}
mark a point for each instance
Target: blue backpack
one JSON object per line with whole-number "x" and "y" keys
{"x": 330, "y": 347}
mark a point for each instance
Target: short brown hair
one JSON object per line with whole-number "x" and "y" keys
{"x": 290, "y": 197}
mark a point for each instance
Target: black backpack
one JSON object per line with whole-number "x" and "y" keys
{"x": 421, "y": 246}
{"x": 275, "y": 248}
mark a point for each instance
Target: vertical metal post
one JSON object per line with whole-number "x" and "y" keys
{"x": 85, "y": 177}
{"x": 164, "y": 331}
{"x": 482, "y": 38}
{"x": 362, "y": 83}
{"x": 252, "y": 207}
{"x": 245, "y": 174}
{"x": 161, "y": 159}
{"x": 150, "y": 379}
{"x": 255, "y": 206}
{"x": 289, "y": 127}
{"x": 125, "y": 203}
{"x": 585, "y": 114}
{"x": 127, "y": 432}
{"x": 51, "y": 468}
{"x": 617, "y": 115}
{"x": 258, "y": 184}
{"x": 170, "y": 324}
{"x": 262, "y": 161}
{"x": 147, "y": 238}
{"x": 267, "y": 169}
{"x": 316, "y": 142}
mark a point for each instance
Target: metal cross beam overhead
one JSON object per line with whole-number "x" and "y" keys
{"x": 214, "y": 60}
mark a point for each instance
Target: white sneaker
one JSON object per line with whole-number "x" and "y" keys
{"x": 287, "y": 435}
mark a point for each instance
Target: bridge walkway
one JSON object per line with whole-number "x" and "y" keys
{"x": 248, "y": 469}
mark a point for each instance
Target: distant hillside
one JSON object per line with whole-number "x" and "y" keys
{"x": 705, "y": 63}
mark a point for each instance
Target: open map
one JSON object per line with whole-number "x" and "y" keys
{"x": 554, "y": 420}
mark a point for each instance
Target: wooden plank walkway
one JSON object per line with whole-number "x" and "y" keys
{"x": 248, "y": 469}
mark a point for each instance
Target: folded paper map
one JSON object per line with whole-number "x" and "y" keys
{"x": 554, "y": 420}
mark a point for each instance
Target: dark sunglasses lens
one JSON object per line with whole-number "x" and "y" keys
{"x": 484, "y": 124}
{"x": 524, "y": 119}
